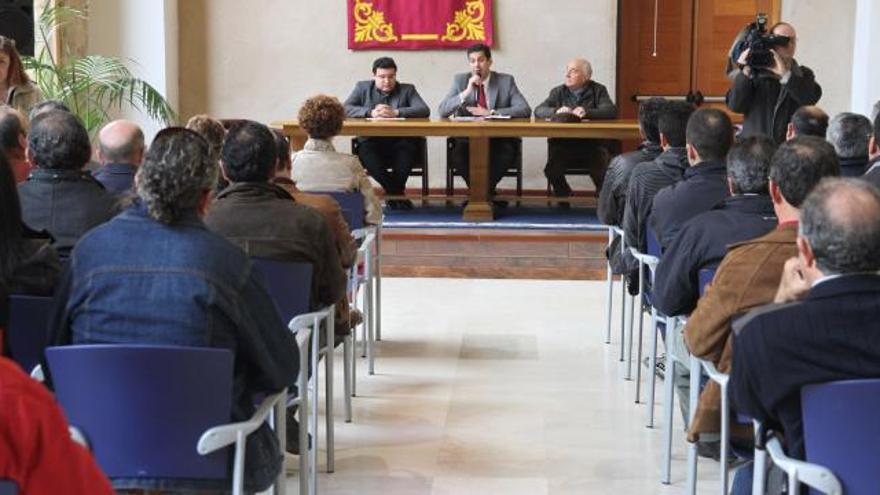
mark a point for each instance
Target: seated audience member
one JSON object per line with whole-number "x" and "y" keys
{"x": 872, "y": 175}
{"x": 650, "y": 177}
{"x": 214, "y": 133}
{"x": 612, "y": 196}
{"x": 120, "y": 153}
{"x": 156, "y": 275}
{"x": 265, "y": 220}
{"x": 27, "y": 263}
{"x": 825, "y": 324}
{"x": 46, "y": 106}
{"x": 319, "y": 167}
{"x": 59, "y": 196}
{"x": 325, "y": 204}
{"x": 702, "y": 241}
{"x": 13, "y": 141}
{"x": 36, "y": 451}
{"x": 385, "y": 97}
{"x": 704, "y": 184}
{"x": 586, "y": 99}
{"x": 849, "y": 133}
{"x": 807, "y": 120}
{"x": 749, "y": 274}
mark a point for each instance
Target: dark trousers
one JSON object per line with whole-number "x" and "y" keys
{"x": 565, "y": 154}
{"x": 502, "y": 156}
{"x": 379, "y": 154}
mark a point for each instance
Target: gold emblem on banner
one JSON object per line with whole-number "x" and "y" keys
{"x": 468, "y": 24}
{"x": 370, "y": 25}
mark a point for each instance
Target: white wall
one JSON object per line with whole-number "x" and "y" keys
{"x": 866, "y": 72}
{"x": 262, "y": 60}
{"x": 825, "y": 33}
{"x": 141, "y": 31}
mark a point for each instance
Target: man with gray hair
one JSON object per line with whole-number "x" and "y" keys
{"x": 156, "y": 275}
{"x": 826, "y": 320}
{"x": 120, "y": 152}
{"x": 849, "y": 133}
{"x": 581, "y": 98}
{"x": 872, "y": 175}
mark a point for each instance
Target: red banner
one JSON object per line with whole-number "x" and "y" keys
{"x": 418, "y": 24}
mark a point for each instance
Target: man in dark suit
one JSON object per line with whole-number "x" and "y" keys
{"x": 703, "y": 240}
{"x": 385, "y": 97}
{"x": 704, "y": 184}
{"x": 825, "y": 325}
{"x": 769, "y": 97}
{"x": 849, "y": 133}
{"x": 479, "y": 93}
{"x": 584, "y": 98}
{"x": 120, "y": 153}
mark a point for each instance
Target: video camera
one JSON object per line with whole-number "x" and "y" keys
{"x": 755, "y": 38}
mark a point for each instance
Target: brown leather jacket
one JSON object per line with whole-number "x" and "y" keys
{"x": 747, "y": 277}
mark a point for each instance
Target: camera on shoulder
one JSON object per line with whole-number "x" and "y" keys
{"x": 755, "y": 38}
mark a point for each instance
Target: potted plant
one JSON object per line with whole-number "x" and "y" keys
{"x": 92, "y": 85}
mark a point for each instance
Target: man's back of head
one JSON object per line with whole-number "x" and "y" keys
{"x": 249, "y": 153}
{"x": 808, "y": 121}
{"x": 840, "y": 220}
{"x": 13, "y": 131}
{"x": 58, "y": 140}
{"x": 176, "y": 175}
{"x": 799, "y": 164}
{"x": 849, "y": 134}
{"x": 710, "y": 133}
{"x": 47, "y": 106}
{"x": 748, "y": 165}
{"x": 673, "y": 120}
{"x": 649, "y": 116}
{"x": 282, "y": 148}
{"x": 121, "y": 141}
{"x": 874, "y": 148}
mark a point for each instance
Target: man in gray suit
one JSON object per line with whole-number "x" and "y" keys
{"x": 384, "y": 97}
{"x": 479, "y": 93}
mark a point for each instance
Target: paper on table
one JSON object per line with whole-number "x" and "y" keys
{"x": 465, "y": 118}
{"x": 386, "y": 118}
{"x": 497, "y": 117}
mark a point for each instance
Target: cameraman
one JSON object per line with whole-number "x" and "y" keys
{"x": 769, "y": 97}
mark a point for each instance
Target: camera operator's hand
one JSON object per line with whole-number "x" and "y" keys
{"x": 744, "y": 67}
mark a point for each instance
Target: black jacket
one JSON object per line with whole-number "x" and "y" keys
{"x": 647, "y": 179}
{"x": 594, "y": 100}
{"x": 65, "y": 203}
{"x": 702, "y": 243}
{"x": 404, "y": 97}
{"x": 853, "y": 167}
{"x": 834, "y": 334}
{"x": 768, "y": 105}
{"x": 703, "y": 186}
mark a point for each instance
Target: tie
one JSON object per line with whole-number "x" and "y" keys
{"x": 481, "y": 97}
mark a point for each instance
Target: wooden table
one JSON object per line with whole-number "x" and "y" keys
{"x": 479, "y": 208}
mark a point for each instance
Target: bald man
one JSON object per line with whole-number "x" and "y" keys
{"x": 578, "y": 97}
{"x": 808, "y": 120}
{"x": 768, "y": 98}
{"x": 120, "y": 153}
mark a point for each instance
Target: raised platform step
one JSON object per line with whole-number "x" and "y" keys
{"x": 494, "y": 253}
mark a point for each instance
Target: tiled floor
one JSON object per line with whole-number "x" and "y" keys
{"x": 499, "y": 387}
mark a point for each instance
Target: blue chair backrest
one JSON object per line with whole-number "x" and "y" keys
{"x": 8, "y": 487}
{"x": 28, "y": 330}
{"x": 653, "y": 243}
{"x": 706, "y": 276}
{"x": 352, "y": 205}
{"x": 842, "y": 431}
{"x": 143, "y": 408}
{"x": 289, "y": 283}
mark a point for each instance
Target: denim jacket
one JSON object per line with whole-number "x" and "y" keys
{"x": 136, "y": 280}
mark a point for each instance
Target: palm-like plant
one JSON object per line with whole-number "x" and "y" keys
{"x": 91, "y": 86}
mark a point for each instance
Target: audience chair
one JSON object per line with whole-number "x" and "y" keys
{"x": 28, "y": 329}
{"x": 8, "y": 487}
{"x": 649, "y": 260}
{"x": 840, "y": 425}
{"x": 369, "y": 257}
{"x": 289, "y": 284}
{"x": 158, "y": 411}
{"x": 513, "y": 170}
{"x": 419, "y": 169}
{"x": 614, "y": 231}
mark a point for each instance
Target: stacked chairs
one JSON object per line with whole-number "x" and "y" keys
{"x": 289, "y": 284}
{"x": 159, "y": 411}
